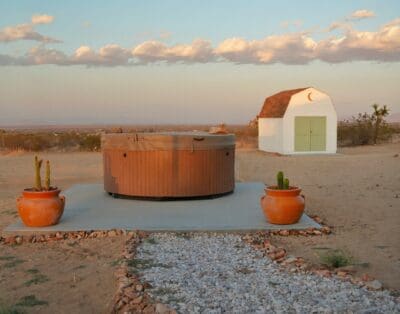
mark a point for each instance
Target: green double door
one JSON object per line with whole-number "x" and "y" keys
{"x": 310, "y": 134}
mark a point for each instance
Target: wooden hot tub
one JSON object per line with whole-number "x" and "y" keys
{"x": 168, "y": 164}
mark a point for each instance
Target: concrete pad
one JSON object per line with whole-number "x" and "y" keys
{"x": 88, "y": 207}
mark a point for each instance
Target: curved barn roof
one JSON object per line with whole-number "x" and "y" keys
{"x": 275, "y": 106}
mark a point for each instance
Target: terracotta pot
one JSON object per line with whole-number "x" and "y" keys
{"x": 282, "y": 207}
{"x": 40, "y": 209}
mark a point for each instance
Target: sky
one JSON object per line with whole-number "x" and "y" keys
{"x": 190, "y": 62}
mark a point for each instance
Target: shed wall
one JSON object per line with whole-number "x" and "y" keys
{"x": 270, "y": 132}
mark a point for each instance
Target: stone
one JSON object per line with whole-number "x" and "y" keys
{"x": 139, "y": 288}
{"x": 18, "y": 240}
{"x": 162, "y": 309}
{"x": 326, "y": 230}
{"x": 290, "y": 260}
{"x": 9, "y": 240}
{"x": 149, "y": 309}
{"x": 341, "y": 273}
{"x": 323, "y": 272}
{"x": 137, "y": 300}
{"x": 366, "y": 278}
{"x": 374, "y": 285}
{"x": 279, "y": 253}
{"x": 130, "y": 293}
{"x": 112, "y": 233}
{"x": 284, "y": 233}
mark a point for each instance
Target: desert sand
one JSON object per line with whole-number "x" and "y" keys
{"x": 357, "y": 192}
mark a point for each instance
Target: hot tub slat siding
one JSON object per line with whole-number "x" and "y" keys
{"x": 170, "y": 173}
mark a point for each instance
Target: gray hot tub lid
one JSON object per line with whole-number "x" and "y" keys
{"x": 167, "y": 141}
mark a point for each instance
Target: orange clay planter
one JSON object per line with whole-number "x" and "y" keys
{"x": 40, "y": 208}
{"x": 282, "y": 207}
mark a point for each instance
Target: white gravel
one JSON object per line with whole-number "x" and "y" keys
{"x": 217, "y": 273}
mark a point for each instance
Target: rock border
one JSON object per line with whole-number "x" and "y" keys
{"x": 77, "y": 235}
{"x": 131, "y": 295}
{"x": 262, "y": 241}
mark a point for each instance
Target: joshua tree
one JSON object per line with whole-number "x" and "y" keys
{"x": 379, "y": 115}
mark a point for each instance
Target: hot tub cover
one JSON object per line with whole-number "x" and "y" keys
{"x": 167, "y": 141}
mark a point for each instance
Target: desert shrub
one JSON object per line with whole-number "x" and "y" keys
{"x": 27, "y": 141}
{"x": 49, "y": 140}
{"x": 335, "y": 259}
{"x": 365, "y": 128}
{"x": 90, "y": 142}
{"x": 10, "y": 310}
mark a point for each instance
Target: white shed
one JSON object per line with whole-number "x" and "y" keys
{"x": 298, "y": 121}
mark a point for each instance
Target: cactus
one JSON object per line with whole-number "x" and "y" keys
{"x": 279, "y": 178}
{"x": 38, "y": 180}
{"x": 286, "y": 184}
{"x": 47, "y": 178}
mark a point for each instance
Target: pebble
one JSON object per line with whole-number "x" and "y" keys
{"x": 373, "y": 285}
{"x": 203, "y": 274}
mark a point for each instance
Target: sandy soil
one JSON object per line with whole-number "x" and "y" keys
{"x": 357, "y": 191}
{"x": 71, "y": 276}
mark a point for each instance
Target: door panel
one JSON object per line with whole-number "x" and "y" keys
{"x": 302, "y": 134}
{"x": 310, "y": 134}
{"x": 318, "y": 134}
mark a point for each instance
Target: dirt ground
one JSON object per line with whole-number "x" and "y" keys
{"x": 356, "y": 191}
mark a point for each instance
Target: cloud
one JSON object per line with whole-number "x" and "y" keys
{"x": 382, "y": 45}
{"x": 362, "y": 14}
{"x": 350, "y": 44}
{"x": 153, "y": 51}
{"x": 42, "y": 19}
{"x": 109, "y": 55}
{"x": 26, "y": 31}
{"x": 271, "y": 49}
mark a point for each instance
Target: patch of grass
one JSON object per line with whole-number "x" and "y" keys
{"x": 7, "y": 257}
{"x": 336, "y": 259}
{"x": 13, "y": 262}
{"x": 10, "y": 310}
{"x": 141, "y": 263}
{"x": 37, "y": 279}
{"x": 30, "y": 300}
{"x": 274, "y": 284}
{"x": 32, "y": 271}
{"x": 150, "y": 241}
{"x": 183, "y": 235}
{"x": 245, "y": 270}
{"x": 145, "y": 264}
{"x": 163, "y": 291}
{"x": 80, "y": 267}
{"x": 9, "y": 212}
{"x": 116, "y": 262}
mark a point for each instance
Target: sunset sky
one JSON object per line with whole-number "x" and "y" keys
{"x": 163, "y": 62}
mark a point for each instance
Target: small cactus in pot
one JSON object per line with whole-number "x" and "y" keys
{"x": 41, "y": 205}
{"x": 282, "y": 204}
{"x": 282, "y": 182}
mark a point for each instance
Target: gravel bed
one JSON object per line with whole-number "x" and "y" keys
{"x": 217, "y": 273}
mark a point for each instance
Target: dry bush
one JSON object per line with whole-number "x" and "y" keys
{"x": 70, "y": 141}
